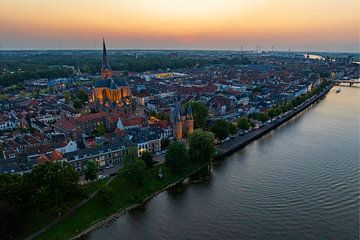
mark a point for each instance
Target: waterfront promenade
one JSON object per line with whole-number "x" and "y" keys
{"x": 241, "y": 141}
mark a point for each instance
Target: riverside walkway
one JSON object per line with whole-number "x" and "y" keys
{"x": 241, "y": 141}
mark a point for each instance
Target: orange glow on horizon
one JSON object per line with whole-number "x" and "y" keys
{"x": 214, "y": 24}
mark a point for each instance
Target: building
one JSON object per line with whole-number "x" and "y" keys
{"x": 9, "y": 122}
{"x": 110, "y": 154}
{"x": 110, "y": 92}
{"x": 145, "y": 139}
{"x": 183, "y": 122}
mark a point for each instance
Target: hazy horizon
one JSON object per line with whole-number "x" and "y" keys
{"x": 315, "y": 26}
{"x": 173, "y": 49}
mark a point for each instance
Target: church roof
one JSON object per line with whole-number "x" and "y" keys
{"x": 189, "y": 110}
{"x": 111, "y": 83}
{"x": 177, "y": 112}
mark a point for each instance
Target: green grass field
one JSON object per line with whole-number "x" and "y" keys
{"x": 35, "y": 219}
{"x": 124, "y": 195}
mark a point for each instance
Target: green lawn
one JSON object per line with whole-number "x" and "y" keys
{"x": 125, "y": 195}
{"x": 35, "y": 219}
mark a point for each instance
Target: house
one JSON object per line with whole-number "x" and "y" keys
{"x": 67, "y": 146}
{"x": 103, "y": 155}
{"x": 145, "y": 139}
{"x": 129, "y": 122}
{"x": 9, "y": 122}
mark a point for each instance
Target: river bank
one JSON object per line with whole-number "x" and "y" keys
{"x": 93, "y": 214}
{"x": 133, "y": 206}
{"x": 239, "y": 142}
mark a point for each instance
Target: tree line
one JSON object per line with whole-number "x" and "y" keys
{"x": 222, "y": 128}
{"x": 17, "y": 68}
{"x": 199, "y": 149}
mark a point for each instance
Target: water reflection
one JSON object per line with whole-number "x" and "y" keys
{"x": 301, "y": 181}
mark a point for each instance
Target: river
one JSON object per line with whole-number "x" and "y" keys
{"x": 300, "y": 181}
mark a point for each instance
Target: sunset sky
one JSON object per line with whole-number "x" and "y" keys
{"x": 318, "y": 25}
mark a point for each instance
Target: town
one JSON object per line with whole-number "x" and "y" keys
{"x": 99, "y": 116}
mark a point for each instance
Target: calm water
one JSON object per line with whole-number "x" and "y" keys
{"x": 301, "y": 181}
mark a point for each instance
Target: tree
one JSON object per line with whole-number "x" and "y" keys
{"x": 53, "y": 185}
{"x": 177, "y": 156}
{"x": 257, "y": 89}
{"x": 201, "y": 146}
{"x": 283, "y": 108}
{"x": 100, "y": 130}
{"x": 91, "y": 170}
{"x": 36, "y": 92}
{"x": 221, "y": 129}
{"x": 263, "y": 117}
{"x": 165, "y": 143}
{"x": 232, "y": 128}
{"x": 243, "y": 123}
{"x": 147, "y": 157}
{"x": 200, "y": 113}
{"x": 272, "y": 113}
{"x": 105, "y": 195}
{"x": 134, "y": 168}
{"x": 83, "y": 96}
{"x": 12, "y": 204}
{"x": 289, "y": 106}
{"x": 77, "y": 103}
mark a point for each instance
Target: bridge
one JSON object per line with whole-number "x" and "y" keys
{"x": 350, "y": 82}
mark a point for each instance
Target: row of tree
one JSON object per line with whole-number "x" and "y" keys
{"x": 35, "y": 72}
{"x": 276, "y": 111}
{"x": 199, "y": 149}
{"x": 222, "y": 128}
{"x": 20, "y": 67}
{"x": 179, "y": 156}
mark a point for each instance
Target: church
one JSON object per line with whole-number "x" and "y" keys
{"x": 111, "y": 93}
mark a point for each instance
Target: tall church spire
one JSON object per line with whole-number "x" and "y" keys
{"x": 105, "y": 68}
{"x": 105, "y": 63}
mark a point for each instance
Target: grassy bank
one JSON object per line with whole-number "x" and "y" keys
{"x": 124, "y": 195}
{"x": 35, "y": 219}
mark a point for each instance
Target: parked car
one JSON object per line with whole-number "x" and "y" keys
{"x": 101, "y": 176}
{"x": 109, "y": 166}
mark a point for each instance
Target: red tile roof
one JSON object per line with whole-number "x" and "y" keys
{"x": 42, "y": 159}
{"x": 120, "y": 132}
{"x": 164, "y": 124}
{"x": 66, "y": 124}
{"x": 56, "y": 155}
{"x": 132, "y": 121}
{"x": 92, "y": 117}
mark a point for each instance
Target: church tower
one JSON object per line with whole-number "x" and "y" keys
{"x": 189, "y": 120}
{"x": 106, "y": 71}
{"x": 177, "y": 123}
